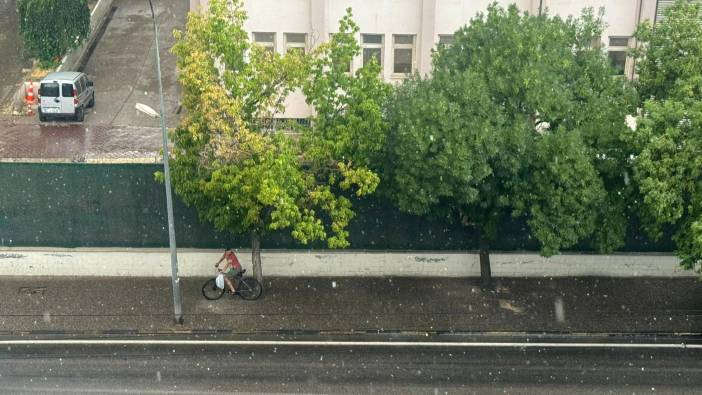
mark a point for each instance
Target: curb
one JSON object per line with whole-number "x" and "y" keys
{"x": 155, "y": 262}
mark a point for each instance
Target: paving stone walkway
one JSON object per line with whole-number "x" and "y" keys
{"x": 74, "y": 142}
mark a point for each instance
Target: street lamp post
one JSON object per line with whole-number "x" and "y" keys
{"x": 175, "y": 281}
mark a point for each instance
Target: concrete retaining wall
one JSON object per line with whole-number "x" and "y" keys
{"x": 156, "y": 263}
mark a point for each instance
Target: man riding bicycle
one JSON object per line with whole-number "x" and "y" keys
{"x": 231, "y": 268}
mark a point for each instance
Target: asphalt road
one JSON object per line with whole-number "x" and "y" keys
{"x": 122, "y": 64}
{"x": 63, "y": 304}
{"x": 202, "y": 368}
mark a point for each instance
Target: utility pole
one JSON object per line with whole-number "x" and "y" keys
{"x": 175, "y": 281}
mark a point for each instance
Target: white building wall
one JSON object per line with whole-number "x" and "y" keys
{"x": 425, "y": 19}
{"x": 276, "y": 16}
{"x": 386, "y": 17}
{"x": 456, "y": 13}
{"x": 620, "y": 16}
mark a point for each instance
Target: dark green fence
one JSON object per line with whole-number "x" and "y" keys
{"x": 105, "y": 205}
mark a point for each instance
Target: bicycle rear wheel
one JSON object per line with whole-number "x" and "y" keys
{"x": 249, "y": 289}
{"x": 210, "y": 290}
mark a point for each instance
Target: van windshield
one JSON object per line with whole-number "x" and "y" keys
{"x": 49, "y": 89}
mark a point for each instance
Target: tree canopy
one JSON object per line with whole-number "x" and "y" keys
{"x": 668, "y": 137}
{"x": 347, "y": 133}
{"x": 521, "y": 116}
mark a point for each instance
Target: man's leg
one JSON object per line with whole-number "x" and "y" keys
{"x": 230, "y": 283}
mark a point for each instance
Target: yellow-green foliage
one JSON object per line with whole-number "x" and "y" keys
{"x": 238, "y": 174}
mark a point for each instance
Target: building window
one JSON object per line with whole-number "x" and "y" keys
{"x": 266, "y": 40}
{"x": 445, "y": 39}
{"x": 348, "y": 65}
{"x": 372, "y": 48}
{"x": 296, "y": 42}
{"x": 403, "y": 54}
{"x": 67, "y": 90}
{"x": 617, "y": 53}
{"x": 619, "y": 41}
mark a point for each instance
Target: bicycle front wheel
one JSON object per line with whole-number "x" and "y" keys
{"x": 210, "y": 290}
{"x": 250, "y": 289}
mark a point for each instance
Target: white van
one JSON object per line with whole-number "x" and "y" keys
{"x": 65, "y": 94}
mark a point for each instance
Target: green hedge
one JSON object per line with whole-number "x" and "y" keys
{"x": 120, "y": 205}
{"x": 49, "y": 28}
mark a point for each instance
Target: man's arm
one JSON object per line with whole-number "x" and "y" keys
{"x": 220, "y": 260}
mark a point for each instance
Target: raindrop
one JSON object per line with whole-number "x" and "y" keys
{"x": 559, "y": 309}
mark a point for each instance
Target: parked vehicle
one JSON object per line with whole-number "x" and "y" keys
{"x": 65, "y": 94}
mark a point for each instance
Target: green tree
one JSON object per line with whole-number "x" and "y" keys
{"x": 668, "y": 138}
{"x": 347, "y": 134}
{"x": 229, "y": 162}
{"x": 50, "y": 28}
{"x": 520, "y": 117}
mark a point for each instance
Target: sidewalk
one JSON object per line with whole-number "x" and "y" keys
{"x": 155, "y": 262}
{"x": 71, "y": 142}
{"x": 345, "y": 305}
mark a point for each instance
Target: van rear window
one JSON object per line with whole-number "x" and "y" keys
{"x": 67, "y": 90}
{"x": 49, "y": 89}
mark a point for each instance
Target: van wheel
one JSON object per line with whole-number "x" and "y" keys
{"x": 80, "y": 115}
{"x": 91, "y": 103}
{"x": 42, "y": 117}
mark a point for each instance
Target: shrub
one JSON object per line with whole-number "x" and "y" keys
{"x": 50, "y": 28}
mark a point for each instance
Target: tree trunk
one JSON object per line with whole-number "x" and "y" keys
{"x": 256, "y": 256}
{"x": 485, "y": 272}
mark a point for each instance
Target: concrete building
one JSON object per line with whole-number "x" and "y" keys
{"x": 402, "y": 33}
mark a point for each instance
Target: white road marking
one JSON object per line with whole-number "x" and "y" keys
{"x": 320, "y": 343}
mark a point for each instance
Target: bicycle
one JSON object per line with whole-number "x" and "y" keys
{"x": 247, "y": 288}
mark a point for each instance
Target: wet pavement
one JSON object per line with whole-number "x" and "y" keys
{"x": 11, "y": 59}
{"x": 530, "y": 336}
{"x": 357, "y": 305}
{"x": 123, "y": 66}
{"x": 204, "y": 367}
{"x": 76, "y": 142}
